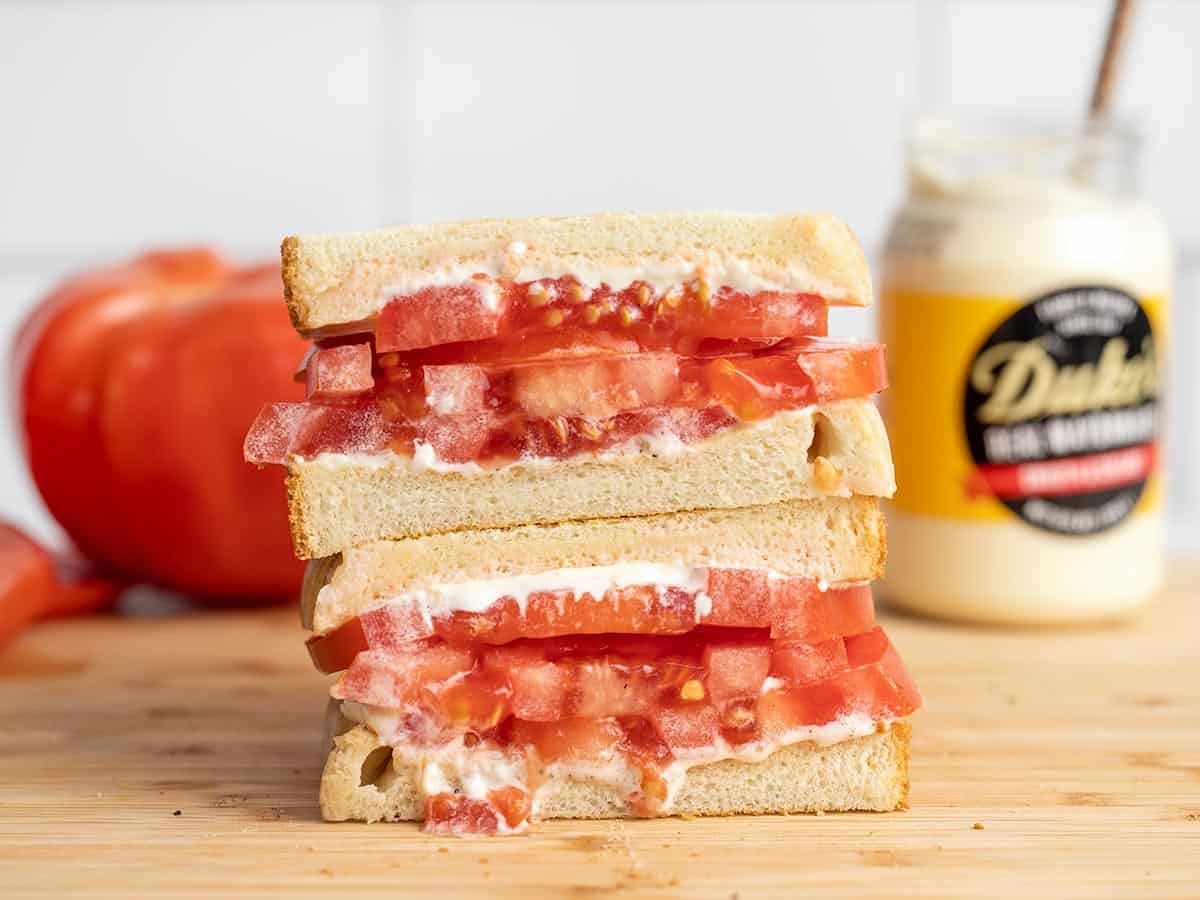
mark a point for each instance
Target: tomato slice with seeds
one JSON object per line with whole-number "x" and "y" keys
{"x": 484, "y": 308}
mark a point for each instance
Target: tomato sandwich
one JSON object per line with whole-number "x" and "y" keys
{"x": 612, "y": 365}
{"x": 591, "y": 509}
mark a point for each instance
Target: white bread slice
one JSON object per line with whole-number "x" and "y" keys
{"x": 835, "y": 450}
{"x": 332, "y": 280}
{"x": 838, "y": 539}
{"x": 867, "y": 773}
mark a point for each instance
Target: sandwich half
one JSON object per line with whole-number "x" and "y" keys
{"x": 496, "y": 373}
{"x": 703, "y": 662}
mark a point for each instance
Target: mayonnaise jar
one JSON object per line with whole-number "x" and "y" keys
{"x": 1025, "y": 310}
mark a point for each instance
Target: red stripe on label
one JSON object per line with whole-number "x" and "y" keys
{"x": 1070, "y": 475}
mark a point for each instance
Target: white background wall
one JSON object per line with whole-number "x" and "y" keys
{"x": 130, "y": 124}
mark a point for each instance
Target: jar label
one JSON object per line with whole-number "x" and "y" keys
{"x": 1045, "y": 409}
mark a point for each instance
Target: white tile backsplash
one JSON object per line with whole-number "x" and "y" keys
{"x": 522, "y": 107}
{"x": 134, "y": 122}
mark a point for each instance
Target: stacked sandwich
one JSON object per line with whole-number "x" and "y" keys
{"x": 590, "y": 505}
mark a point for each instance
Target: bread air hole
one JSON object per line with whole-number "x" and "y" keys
{"x": 824, "y": 439}
{"x": 375, "y": 766}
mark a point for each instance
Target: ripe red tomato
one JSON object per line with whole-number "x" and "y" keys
{"x": 136, "y": 385}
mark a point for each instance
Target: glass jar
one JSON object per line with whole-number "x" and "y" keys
{"x": 1024, "y": 303}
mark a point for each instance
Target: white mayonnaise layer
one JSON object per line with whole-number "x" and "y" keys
{"x": 477, "y": 770}
{"x": 662, "y": 275}
{"x": 442, "y": 600}
{"x": 439, "y": 600}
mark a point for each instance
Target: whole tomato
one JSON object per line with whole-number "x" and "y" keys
{"x": 135, "y": 387}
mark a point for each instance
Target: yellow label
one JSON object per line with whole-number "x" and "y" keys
{"x": 934, "y": 345}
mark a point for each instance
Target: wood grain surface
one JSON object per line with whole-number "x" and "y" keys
{"x": 179, "y": 756}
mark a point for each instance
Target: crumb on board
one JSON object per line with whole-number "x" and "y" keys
{"x": 978, "y": 826}
{"x": 178, "y": 812}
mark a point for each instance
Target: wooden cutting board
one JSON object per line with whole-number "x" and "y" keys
{"x": 179, "y": 756}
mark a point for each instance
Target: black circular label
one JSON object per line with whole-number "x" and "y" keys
{"x": 1060, "y": 410}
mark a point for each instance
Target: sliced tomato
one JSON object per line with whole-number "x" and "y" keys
{"x": 539, "y": 691}
{"x": 478, "y": 701}
{"x": 740, "y": 597}
{"x": 560, "y": 406}
{"x": 389, "y": 627}
{"x": 873, "y": 647}
{"x": 483, "y": 308}
{"x": 455, "y": 814}
{"x": 306, "y": 429}
{"x": 795, "y": 609}
{"x": 798, "y": 663}
{"x": 597, "y": 387}
{"x": 568, "y": 739}
{"x": 877, "y": 684}
{"x": 638, "y": 609}
{"x": 456, "y": 439}
{"x": 606, "y": 688}
{"x": 801, "y": 611}
{"x": 686, "y": 726}
{"x": 341, "y": 371}
{"x": 840, "y": 369}
{"x": 768, "y": 314}
{"x": 736, "y": 669}
{"x": 455, "y": 390}
{"x": 472, "y": 311}
{"x": 336, "y": 650}
{"x": 396, "y": 679}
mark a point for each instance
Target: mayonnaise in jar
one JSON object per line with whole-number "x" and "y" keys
{"x": 1024, "y": 306}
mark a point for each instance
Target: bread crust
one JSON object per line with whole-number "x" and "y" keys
{"x": 838, "y": 539}
{"x": 332, "y": 508}
{"x": 866, "y": 773}
{"x": 332, "y": 280}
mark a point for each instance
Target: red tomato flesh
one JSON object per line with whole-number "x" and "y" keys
{"x": 559, "y": 405}
{"x": 483, "y": 308}
{"x": 341, "y": 371}
{"x": 645, "y": 699}
{"x": 794, "y": 609}
{"x": 472, "y": 311}
{"x": 505, "y": 809}
{"x": 707, "y": 681}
